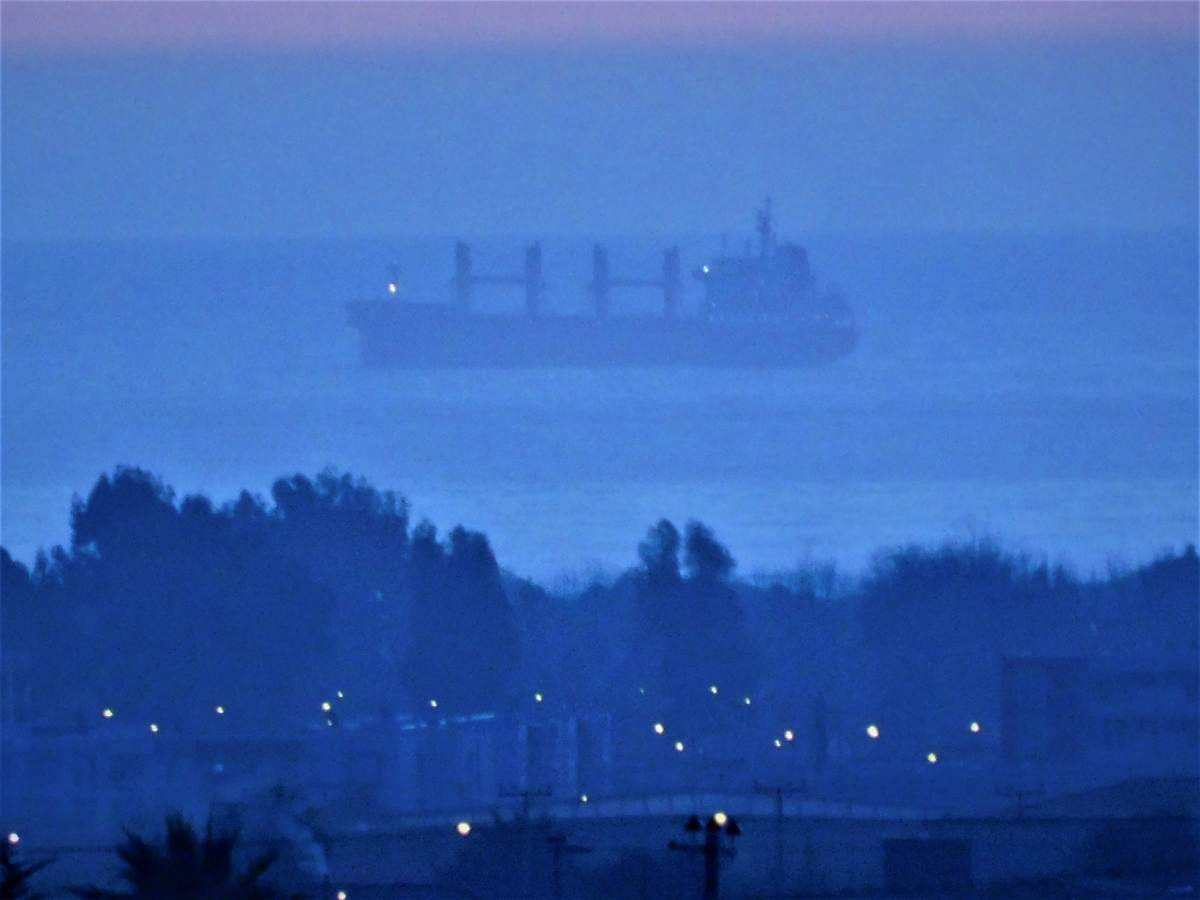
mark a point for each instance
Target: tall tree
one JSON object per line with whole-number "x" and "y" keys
{"x": 463, "y": 642}
{"x": 186, "y": 866}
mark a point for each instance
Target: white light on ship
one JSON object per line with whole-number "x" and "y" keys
{"x": 433, "y": 703}
{"x": 13, "y": 837}
{"x": 872, "y": 731}
{"x": 778, "y": 742}
{"x": 463, "y": 828}
{"x": 220, "y": 710}
{"x": 679, "y": 746}
{"x": 583, "y": 798}
{"x": 153, "y": 728}
{"x": 659, "y": 728}
{"x": 392, "y": 288}
{"x": 974, "y": 728}
{"x": 713, "y": 689}
{"x": 720, "y": 818}
{"x": 107, "y": 714}
{"x": 932, "y": 757}
{"x": 341, "y": 895}
{"x": 537, "y": 698}
{"x": 789, "y": 735}
{"x": 747, "y": 701}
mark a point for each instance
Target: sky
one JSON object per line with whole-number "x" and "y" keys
{"x": 262, "y": 119}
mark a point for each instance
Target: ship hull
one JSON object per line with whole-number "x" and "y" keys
{"x": 428, "y": 336}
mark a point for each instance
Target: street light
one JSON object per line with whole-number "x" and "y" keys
{"x": 712, "y": 850}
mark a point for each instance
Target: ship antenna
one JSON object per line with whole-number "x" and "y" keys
{"x": 766, "y": 237}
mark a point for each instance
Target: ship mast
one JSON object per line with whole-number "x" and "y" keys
{"x": 766, "y": 230}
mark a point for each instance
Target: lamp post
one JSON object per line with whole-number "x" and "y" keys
{"x": 559, "y": 845}
{"x": 711, "y": 850}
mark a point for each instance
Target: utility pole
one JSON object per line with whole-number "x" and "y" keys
{"x": 778, "y": 791}
{"x": 559, "y": 845}
{"x": 527, "y": 797}
{"x": 711, "y": 850}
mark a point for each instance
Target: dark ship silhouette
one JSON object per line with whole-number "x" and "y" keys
{"x": 761, "y": 311}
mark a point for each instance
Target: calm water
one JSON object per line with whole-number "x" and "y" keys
{"x": 1041, "y": 389}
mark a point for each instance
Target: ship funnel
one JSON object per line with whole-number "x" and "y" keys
{"x": 601, "y": 288}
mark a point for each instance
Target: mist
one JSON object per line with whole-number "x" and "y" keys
{"x": 858, "y": 537}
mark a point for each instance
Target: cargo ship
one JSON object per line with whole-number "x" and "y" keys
{"x": 759, "y": 311}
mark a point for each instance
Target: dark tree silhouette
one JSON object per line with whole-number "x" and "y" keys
{"x": 463, "y": 642}
{"x": 691, "y": 630}
{"x": 15, "y": 877}
{"x": 187, "y": 867}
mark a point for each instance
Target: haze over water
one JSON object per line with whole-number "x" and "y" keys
{"x": 1008, "y": 202}
{"x": 1037, "y": 388}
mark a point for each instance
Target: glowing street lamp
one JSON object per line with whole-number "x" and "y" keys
{"x": 712, "y": 850}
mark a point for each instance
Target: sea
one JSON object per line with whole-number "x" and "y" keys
{"x": 1037, "y": 389}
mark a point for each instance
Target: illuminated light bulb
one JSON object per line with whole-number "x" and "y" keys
{"x": 778, "y": 742}
{"x": 537, "y": 698}
{"x": 720, "y": 818}
{"x": 659, "y": 728}
{"x": 679, "y": 746}
{"x": 341, "y": 695}
{"x": 391, "y": 290}
{"x": 713, "y": 689}
{"x": 583, "y": 798}
{"x": 107, "y": 714}
{"x": 433, "y": 703}
{"x": 974, "y": 728}
{"x": 220, "y": 710}
{"x": 872, "y": 731}
{"x": 932, "y": 757}
{"x": 326, "y": 707}
{"x": 789, "y": 735}
{"x": 13, "y": 837}
{"x": 153, "y": 728}
{"x": 747, "y": 701}
{"x": 463, "y": 828}
{"x": 341, "y": 895}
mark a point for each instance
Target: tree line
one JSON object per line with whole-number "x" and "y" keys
{"x": 163, "y": 608}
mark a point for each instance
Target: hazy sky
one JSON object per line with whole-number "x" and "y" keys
{"x": 265, "y": 119}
